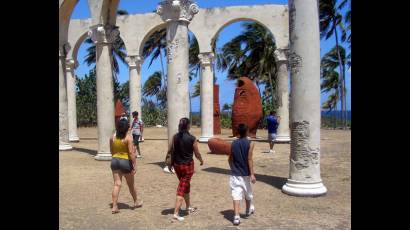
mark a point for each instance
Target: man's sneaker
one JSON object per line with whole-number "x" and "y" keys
{"x": 236, "y": 220}
{"x": 271, "y": 151}
{"x": 139, "y": 156}
{"x": 177, "y": 217}
{"x": 251, "y": 210}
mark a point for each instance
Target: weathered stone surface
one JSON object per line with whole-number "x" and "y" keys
{"x": 217, "y": 115}
{"x": 219, "y": 146}
{"x": 247, "y": 106}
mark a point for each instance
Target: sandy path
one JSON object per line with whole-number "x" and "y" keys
{"x": 85, "y": 188}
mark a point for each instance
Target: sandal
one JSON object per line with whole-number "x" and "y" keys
{"x": 192, "y": 210}
{"x": 115, "y": 211}
{"x": 139, "y": 205}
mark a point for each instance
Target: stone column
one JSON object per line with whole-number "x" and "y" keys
{"x": 134, "y": 65}
{"x": 62, "y": 105}
{"x": 71, "y": 99}
{"x": 304, "y": 59}
{"x": 207, "y": 101}
{"x": 177, "y": 15}
{"x": 103, "y": 36}
{"x": 282, "y": 89}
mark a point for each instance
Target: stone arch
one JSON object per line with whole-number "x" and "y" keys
{"x": 65, "y": 10}
{"x": 148, "y": 34}
{"x": 248, "y": 19}
{"x": 76, "y": 44}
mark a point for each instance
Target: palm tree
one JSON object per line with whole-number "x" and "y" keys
{"x": 330, "y": 19}
{"x": 250, "y": 54}
{"x": 156, "y": 45}
{"x": 117, "y": 49}
{"x": 330, "y": 77}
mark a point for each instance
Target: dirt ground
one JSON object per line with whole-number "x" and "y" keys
{"x": 86, "y": 184}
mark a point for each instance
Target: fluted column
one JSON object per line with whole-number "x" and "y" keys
{"x": 304, "y": 57}
{"x": 282, "y": 89}
{"x": 62, "y": 105}
{"x": 134, "y": 65}
{"x": 207, "y": 95}
{"x": 177, "y": 15}
{"x": 103, "y": 36}
{"x": 71, "y": 99}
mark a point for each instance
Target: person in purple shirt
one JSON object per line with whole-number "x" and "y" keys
{"x": 273, "y": 123}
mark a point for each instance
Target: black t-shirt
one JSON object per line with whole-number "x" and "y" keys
{"x": 183, "y": 147}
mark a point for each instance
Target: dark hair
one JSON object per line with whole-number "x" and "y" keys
{"x": 272, "y": 112}
{"x": 183, "y": 125}
{"x": 122, "y": 128}
{"x": 242, "y": 129}
{"x": 135, "y": 113}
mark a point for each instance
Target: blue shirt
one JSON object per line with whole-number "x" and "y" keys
{"x": 239, "y": 151}
{"x": 272, "y": 124}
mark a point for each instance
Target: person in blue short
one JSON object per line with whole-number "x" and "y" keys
{"x": 273, "y": 123}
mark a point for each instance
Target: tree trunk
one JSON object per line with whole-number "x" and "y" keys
{"x": 271, "y": 90}
{"x": 341, "y": 74}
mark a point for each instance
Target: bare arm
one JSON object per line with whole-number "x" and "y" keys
{"x": 111, "y": 146}
{"x": 250, "y": 163}
{"x": 131, "y": 153}
{"x": 197, "y": 153}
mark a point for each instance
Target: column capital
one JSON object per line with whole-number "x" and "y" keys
{"x": 70, "y": 64}
{"x": 281, "y": 54}
{"x": 134, "y": 61}
{"x": 103, "y": 34}
{"x": 177, "y": 10}
{"x": 206, "y": 59}
{"x": 64, "y": 49}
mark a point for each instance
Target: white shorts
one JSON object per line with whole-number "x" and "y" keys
{"x": 271, "y": 137}
{"x": 240, "y": 185}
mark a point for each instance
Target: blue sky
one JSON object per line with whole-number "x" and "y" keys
{"x": 81, "y": 11}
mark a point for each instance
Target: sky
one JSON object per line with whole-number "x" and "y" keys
{"x": 82, "y": 11}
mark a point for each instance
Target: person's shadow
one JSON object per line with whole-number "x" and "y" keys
{"x": 275, "y": 181}
{"x": 229, "y": 214}
{"x": 169, "y": 211}
{"x": 122, "y": 206}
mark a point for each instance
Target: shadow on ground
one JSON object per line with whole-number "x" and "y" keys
{"x": 159, "y": 163}
{"x": 88, "y": 151}
{"x": 121, "y": 206}
{"x": 170, "y": 211}
{"x": 228, "y": 214}
{"x": 274, "y": 181}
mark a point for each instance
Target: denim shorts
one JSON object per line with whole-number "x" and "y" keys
{"x": 125, "y": 166}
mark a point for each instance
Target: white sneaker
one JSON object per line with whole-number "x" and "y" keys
{"x": 251, "y": 210}
{"x": 271, "y": 151}
{"x": 179, "y": 218}
{"x": 236, "y": 220}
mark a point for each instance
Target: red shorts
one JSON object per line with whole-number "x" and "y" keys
{"x": 184, "y": 173}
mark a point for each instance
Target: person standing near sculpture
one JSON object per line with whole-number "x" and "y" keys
{"x": 273, "y": 124}
{"x": 137, "y": 130}
{"x": 242, "y": 173}
{"x": 183, "y": 146}
{"x": 123, "y": 163}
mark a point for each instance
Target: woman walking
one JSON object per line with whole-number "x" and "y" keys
{"x": 183, "y": 146}
{"x": 122, "y": 163}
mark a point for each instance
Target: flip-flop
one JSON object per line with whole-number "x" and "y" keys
{"x": 115, "y": 211}
{"x": 139, "y": 205}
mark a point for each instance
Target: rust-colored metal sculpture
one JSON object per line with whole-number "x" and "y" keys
{"x": 119, "y": 110}
{"x": 219, "y": 146}
{"x": 217, "y": 115}
{"x": 247, "y": 107}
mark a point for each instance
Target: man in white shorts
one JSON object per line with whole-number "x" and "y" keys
{"x": 242, "y": 173}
